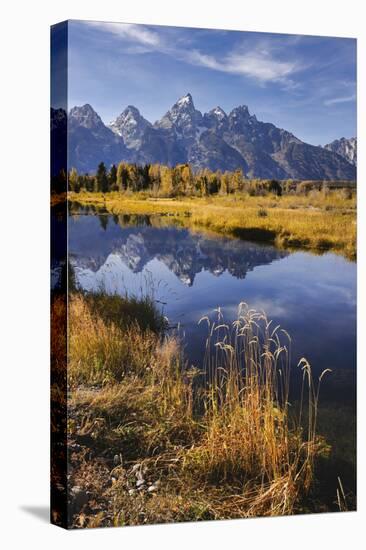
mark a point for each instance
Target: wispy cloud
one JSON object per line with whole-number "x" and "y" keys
{"x": 136, "y": 33}
{"x": 336, "y": 100}
{"x": 258, "y": 64}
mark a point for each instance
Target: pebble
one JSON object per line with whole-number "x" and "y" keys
{"x": 131, "y": 492}
{"x": 152, "y": 489}
{"x": 139, "y": 475}
{"x": 75, "y": 447}
{"x": 140, "y": 482}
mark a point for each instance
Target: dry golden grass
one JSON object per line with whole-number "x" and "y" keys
{"x": 319, "y": 221}
{"x": 249, "y": 438}
{"x": 221, "y": 442}
{"x": 101, "y": 352}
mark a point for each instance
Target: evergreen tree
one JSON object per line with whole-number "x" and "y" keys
{"x": 275, "y": 187}
{"x": 146, "y": 182}
{"x": 113, "y": 178}
{"x": 166, "y": 181}
{"x": 213, "y": 181}
{"x": 89, "y": 183}
{"x": 122, "y": 176}
{"x": 102, "y": 178}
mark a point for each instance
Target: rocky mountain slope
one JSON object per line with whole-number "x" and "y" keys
{"x": 90, "y": 141}
{"x": 214, "y": 140}
{"x": 347, "y": 148}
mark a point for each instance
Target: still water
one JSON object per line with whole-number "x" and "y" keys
{"x": 312, "y": 297}
{"x": 191, "y": 274}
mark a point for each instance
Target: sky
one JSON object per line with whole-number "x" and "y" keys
{"x": 305, "y": 84}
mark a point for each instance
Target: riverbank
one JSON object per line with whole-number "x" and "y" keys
{"x": 317, "y": 222}
{"x": 152, "y": 441}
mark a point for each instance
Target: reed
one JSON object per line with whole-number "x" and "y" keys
{"x": 250, "y": 438}
{"x": 223, "y": 442}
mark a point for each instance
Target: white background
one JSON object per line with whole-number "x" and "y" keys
{"x": 24, "y": 216}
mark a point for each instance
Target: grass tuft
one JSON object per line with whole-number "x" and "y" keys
{"x": 220, "y": 443}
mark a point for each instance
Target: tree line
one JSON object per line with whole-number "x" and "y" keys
{"x": 165, "y": 181}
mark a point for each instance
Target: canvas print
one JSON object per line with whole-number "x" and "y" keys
{"x": 203, "y": 274}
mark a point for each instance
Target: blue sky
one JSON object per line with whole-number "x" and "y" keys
{"x": 305, "y": 84}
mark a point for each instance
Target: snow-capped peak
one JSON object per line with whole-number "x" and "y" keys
{"x": 182, "y": 117}
{"x": 185, "y": 100}
{"x": 219, "y": 113}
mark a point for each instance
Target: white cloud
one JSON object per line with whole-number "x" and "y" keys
{"x": 336, "y": 100}
{"x": 137, "y": 33}
{"x": 258, "y": 64}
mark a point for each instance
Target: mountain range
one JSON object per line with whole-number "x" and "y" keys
{"x": 214, "y": 140}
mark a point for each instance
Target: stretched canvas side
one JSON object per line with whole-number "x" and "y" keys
{"x": 59, "y": 267}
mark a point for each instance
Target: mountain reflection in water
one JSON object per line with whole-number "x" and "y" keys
{"x": 191, "y": 274}
{"x": 184, "y": 253}
{"x": 312, "y": 297}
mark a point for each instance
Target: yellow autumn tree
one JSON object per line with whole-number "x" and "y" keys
{"x": 166, "y": 181}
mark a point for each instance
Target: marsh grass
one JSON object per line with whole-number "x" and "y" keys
{"x": 111, "y": 336}
{"x": 127, "y": 310}
{"x": 318, "y": 221}
{"x": 250, "y": 438}
{"x": 223, "y": 442}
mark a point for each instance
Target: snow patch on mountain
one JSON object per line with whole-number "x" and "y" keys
{"x": 347, "y": 148}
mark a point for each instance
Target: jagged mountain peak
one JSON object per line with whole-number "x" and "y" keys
{"x": 85, "y": 116}
{"x": 183, "y": 118}
{"x": 86, "y": 108}
{"x": 216, "y": 118}
{"x": 240, "y": 110}
{"x": 130, "y": 125}
{"x": 216, "y": 141}
{"x": 240, "y": 116}
{"x": 130, "y": 112}
{"x": 184, "y": 105}
{"x": 185, "y": 101}
{"x": 132, "y": 109}
{"x": 218, "y": 112}
{"x": 90, "y": 141}
{"x": 345, "y": 147}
